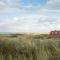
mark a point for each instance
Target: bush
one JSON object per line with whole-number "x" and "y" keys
{"x": 32, "y": 48}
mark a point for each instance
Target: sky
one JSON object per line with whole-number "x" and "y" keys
{"x": 29, "y": 15}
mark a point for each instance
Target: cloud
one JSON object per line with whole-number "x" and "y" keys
{"x": 53, "y": 4}
{"x": 26, "y": 18}
{"x": 34, "y": 23}
{"x": 18, "y": 5}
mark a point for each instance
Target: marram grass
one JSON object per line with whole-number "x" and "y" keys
{"x": 29, "y": 47}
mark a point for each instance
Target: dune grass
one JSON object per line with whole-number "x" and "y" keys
{"x": 29, "y": 47}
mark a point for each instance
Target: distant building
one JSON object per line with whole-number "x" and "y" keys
{"x": 54, "y": 33}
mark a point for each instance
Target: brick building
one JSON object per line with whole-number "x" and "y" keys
{"x": 55, "y": 33}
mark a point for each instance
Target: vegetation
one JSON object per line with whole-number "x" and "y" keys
{"x": 29, "y": 47}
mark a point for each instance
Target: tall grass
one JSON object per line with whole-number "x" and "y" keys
{"x": 30, "y": 47}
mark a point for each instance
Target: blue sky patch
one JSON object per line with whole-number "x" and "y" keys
{"x": 33, "y": 2}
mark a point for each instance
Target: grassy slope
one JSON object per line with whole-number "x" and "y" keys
{"x": 29, "y": 47}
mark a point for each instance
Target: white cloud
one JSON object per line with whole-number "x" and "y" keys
{"x": 50, "y": 6}
{"x": 38, "y": 22}
{"x": 34, "y": 23}
{"x": 53, "y": 4}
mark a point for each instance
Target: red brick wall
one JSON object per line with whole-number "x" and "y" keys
{"x": 55, "y": 33}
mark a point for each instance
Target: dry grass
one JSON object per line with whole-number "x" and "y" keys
{"x": 29, "y": 47}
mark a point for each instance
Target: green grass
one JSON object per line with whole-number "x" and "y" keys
{"x": 29, "y": 47}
